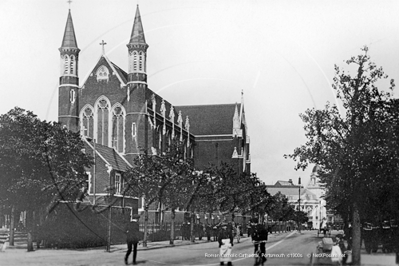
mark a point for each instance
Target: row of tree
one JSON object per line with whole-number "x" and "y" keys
{"x": 43, "y": 163}
{"x": 356, "y": 147}
{"x": 173, "y": 180}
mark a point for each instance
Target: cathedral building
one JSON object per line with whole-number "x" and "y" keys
{"x": 118, "y": 116}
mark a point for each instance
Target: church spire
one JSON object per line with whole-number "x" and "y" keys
{"x": 68, "y": 107}
{"x": 137, "y": 47}
{"x": 69, "y": 40}
{"x": 137, "y": 35}
{"x": 69, "y": 50}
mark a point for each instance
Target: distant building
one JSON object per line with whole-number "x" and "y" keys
{"x": 118, "y": 115}
{"x": 311, "y": 200}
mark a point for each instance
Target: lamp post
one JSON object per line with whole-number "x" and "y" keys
{"x": 299, "y": 204}
{"x": 320, "y": 215}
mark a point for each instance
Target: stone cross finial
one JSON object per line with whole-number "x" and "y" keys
{"x": 103, "y": 44}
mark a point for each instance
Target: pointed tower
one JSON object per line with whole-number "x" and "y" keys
{"x": 68, "y": 101}
{"x": 137, "y": 89}
{"x": 137, "y": 47}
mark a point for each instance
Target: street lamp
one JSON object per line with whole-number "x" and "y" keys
{"x": 299, "y": 200}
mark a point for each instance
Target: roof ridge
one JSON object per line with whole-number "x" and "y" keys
{"x": 206, "y": 104}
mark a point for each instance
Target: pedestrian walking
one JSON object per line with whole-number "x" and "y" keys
{"x": 238, "y": 233}
{"x": 259, "y": 238}
{"x": 225, "y": 239}
{"x": 132, "y": 238}
{"x": 336, "y": 253}
{"x": 340, "y": 241}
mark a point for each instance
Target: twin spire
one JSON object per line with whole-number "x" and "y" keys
{"x": 137, "y": 36}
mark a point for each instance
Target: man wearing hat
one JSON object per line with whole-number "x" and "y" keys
{"x": 259, "y": 237}
{"x": 225, "y": 238}
{"x": 133, "y": 237}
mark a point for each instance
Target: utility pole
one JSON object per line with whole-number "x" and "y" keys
{"x": 299, "y": 200}
{"x": 94, "y": 172}
{"x": 109, "y": 213}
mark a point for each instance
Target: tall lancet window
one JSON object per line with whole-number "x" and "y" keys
{"x": 135, "y": 61}
{"x": 102, "y": 121}
{"x": 66, "y": 64}
{"x": 118, "y": 128}
{"x": 72, "y": 65}
{"x": 141, "y": 61}
{"x": 87, "y": 122}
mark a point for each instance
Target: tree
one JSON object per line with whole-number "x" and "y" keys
{"x": 279, "y": 209}
{"x": 358, "y": 151}
{"x": 152, "y": 175}
{"x": 41, "y": 163}
{"x": 178, "y": 191}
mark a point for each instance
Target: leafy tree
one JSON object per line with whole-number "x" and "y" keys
{"x": 280, "y": 209}
{"x": 152, "y": 175}
{"x": 41, "y": 163}
{"x": 357, "y": 151}
{"x": 179, "y": 190}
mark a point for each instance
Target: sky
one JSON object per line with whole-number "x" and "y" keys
{"x": 280, "y": 54}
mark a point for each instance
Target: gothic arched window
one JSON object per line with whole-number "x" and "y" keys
{"x": 102, "y": 73}
{"x": 103, "y": 111}
{"x": 118, "y": 128}
{"x": 87, "y": 122}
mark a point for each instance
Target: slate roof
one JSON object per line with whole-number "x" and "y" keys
{"x": 288, "y": 191}
{"x": 110, "y": 156}
{"x": 284, "y": 183}
{"x": 209, "y": 119}
{"x": 121, "y": 72}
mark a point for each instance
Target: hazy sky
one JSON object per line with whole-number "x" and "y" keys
{"x": 280, "y": 53}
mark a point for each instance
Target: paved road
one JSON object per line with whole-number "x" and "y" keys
{"x": 284, "y": 249}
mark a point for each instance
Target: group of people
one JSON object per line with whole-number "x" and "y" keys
{"x": 258, "y": 233}
{"x": 225, "y": 237}
{"x": 339, "y": 254}
{"x": 384, "y": 235}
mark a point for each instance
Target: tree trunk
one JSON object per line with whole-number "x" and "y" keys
{"x": 109, "y": 229}
{"x": 145, "y": 225}
{"x": 172, "y": 227}
{"x": 244, "y": 223}
{"x": 192, "y": 227}
{"x": 356, "y": 236}
{"x": 12, "y": 225}
{"x": 29, "y": 227}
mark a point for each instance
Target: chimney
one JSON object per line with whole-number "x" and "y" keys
{"x": 290, "y": 181}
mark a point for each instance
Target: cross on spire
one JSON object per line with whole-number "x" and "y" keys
{"x": 69, "y": 3}
{"x": 103, "y": 44}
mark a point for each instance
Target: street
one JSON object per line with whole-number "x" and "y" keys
{"x": 291, "y": 248}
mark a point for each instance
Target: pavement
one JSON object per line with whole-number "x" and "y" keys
{"x": 367, "y": 259}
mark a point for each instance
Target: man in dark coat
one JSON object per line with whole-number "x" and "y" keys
{"x": 133, "y": 237}
{"x": 259, "y": 237}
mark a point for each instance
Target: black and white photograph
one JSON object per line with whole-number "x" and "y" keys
{"x": 199, "y": 132}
